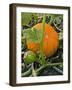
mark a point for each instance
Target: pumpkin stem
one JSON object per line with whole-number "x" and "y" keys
{"x": 33, "y": 71}
{"x": 43, "y": 29}
{"x": 42, "y": 56}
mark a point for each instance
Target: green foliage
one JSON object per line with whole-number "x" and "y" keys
{"x": 32, "y": 35}
{"x": 27, "y": 17}
{"x": 23, "y": 43}
{"x": 39, "y": 61}
{"x": 58, "y": 22}
{"x": 29, "y": 57}
{"x": 61, "y": 39}
{"x": 61, "y": 35}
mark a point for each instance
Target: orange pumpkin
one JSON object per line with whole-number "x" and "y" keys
{"x": 50, "y": 40}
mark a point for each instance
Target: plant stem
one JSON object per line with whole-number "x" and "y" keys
{"x": 44, "y": 66}
{"x": 43, "y": 29}
{"x": 58, "y": 70}
{"x": 33, "y": 71}
{"x": 50, "y": 64}
{"x": 42, "y": 56}
{"x": 26, "y": 73}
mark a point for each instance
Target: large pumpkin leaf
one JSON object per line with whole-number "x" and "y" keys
{"x": 32, "y": 35}
{"x": 27, "y": 17}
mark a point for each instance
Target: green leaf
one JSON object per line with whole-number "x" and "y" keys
{"x": 32, "y": 35}
{"x": 42, "y": 60}
{"x": 61, "y": 35}
{"x": 25, "y": 18}
{"x": 23, "y": 43}
{"x": 52, "y": 18}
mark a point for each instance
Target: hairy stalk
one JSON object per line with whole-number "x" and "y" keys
{"x": 49, "y": 64}
{"x": 33, "y": 71}
{"x": 42, "y": 56}
{"x": 46, "y": 65}
{"x": 26, "y": 73}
